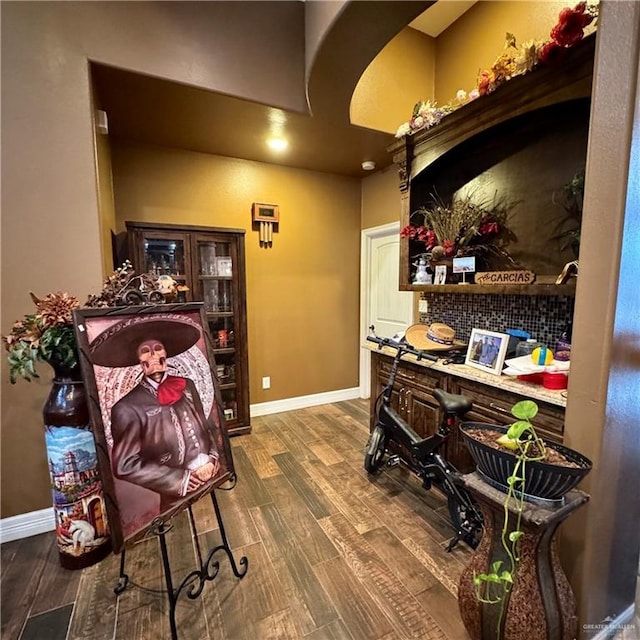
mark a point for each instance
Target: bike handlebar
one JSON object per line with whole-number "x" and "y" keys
{"x": 402, "y": 348}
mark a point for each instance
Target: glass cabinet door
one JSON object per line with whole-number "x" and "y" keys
{"x": 216, "y": 269}
{"x": 167, "y": 254}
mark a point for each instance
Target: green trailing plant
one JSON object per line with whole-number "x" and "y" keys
{"x": 521, "y": 438}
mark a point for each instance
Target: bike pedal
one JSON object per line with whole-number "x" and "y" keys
{"x": 452, "y": 543}
{"x": 393, "y": 461}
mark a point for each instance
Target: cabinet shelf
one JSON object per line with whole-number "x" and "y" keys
{"x": 498, "y": 289}
{"x": 201, "y": 277}
{"x": 220, "y": 314}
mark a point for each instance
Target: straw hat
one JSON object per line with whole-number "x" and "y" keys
{"x": 118, "y": 345}
{"x": 435, "y": 337}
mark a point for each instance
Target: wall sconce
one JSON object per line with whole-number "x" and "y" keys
{"x": 264, "y": 216}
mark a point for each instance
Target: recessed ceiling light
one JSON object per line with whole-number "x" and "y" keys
{"x": 277, "y": 144}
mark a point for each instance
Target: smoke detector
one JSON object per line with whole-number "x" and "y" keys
{"x": 368, "y": 165}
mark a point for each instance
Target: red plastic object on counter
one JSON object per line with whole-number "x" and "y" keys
{"x": 535, "y": 378}
{"x": 555, "y": 380}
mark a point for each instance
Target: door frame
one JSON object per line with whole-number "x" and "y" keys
{"x": 366, "y": 239}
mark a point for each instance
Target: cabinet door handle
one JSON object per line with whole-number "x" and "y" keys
{"x": 492, "y": 405}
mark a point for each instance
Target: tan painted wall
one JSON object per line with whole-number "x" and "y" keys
{"x": 398, "y": 77}
{"x": 380, "y": 198}
{"x": 477, "y": 39}
{"x": 318, "y": 17}
{"x": 50, "y": 221}
{"x": 303, "y": 292}
{"x": 106, "y": 205}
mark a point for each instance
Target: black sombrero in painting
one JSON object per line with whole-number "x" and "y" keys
{"x": 117, "y": 346}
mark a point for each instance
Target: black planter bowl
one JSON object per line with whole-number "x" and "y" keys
{"x": 549, "y": 482}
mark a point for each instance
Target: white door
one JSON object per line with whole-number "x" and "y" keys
{"x": 382, "y": 304}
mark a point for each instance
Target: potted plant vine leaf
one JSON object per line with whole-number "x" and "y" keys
{"x": 534, "y": 477}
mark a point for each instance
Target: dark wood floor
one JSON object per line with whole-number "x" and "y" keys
{"x": 332, "y": 554}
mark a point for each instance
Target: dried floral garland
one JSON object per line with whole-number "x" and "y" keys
{"x": 513, "y": 61}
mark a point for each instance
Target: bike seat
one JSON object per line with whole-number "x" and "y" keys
{"x": 452, "y": 403}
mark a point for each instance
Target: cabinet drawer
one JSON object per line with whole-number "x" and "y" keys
{"x": 413, "y": 376}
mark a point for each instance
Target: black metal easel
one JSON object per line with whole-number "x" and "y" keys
{"x": 193, "y": 583}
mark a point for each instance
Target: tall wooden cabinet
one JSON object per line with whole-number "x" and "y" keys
{"x": 210, "y": 262}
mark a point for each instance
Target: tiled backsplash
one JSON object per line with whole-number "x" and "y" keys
{"x": 544, "y": 317}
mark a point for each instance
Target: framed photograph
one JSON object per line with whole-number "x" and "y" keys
{"x": 155, "y": 410}
{"x": 487, "y": 350}
{"x": 440, "y": 276}
{"x": 464, "y": 264}
{"x": 224, "y": 266}
{"x": 265, "y": 212}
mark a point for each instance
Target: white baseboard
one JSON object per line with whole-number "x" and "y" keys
{"x": 301, "y": 402}
{"x": 25, "y": 525}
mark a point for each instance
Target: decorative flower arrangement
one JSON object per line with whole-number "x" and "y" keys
{"x": 463, "y": 228}
{"x": 425, "y": 115}
{"x": 44, "y": 336}
{"x": 570, "y": 199}
{"x": 513, "y": 61}
{"x": 48, "y": 335}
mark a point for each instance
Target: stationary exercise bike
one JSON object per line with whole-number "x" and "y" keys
{"x": 421, "y": 455}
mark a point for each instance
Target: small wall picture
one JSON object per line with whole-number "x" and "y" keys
{"x": 440, "y": 274}
{"x": 487, "y": 350}
{"x": 155, "y": 409}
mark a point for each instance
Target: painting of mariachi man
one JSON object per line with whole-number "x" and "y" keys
{"x": 157, "y": 403}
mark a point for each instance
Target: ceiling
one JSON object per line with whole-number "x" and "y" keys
{"x": 149, "y": 110}
{"x": 440, "y": 15}
{"x": 153, "y": 111}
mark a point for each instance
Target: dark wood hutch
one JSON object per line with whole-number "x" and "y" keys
{"x": 525, "y": 141}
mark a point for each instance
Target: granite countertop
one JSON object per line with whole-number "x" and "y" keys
{"x": 508, "y": 383}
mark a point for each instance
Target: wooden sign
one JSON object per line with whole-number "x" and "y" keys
{"x": 505, "y": 277}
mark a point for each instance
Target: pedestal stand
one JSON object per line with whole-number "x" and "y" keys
{"x": 193, "y": 583}
{"x": 540, "y": 604}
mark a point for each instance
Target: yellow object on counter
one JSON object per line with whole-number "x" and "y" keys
{"x": 542, "y": 355}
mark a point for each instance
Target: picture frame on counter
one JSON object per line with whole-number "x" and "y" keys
{"x": 487, "y": 350}
{"x": 440, "y": 274}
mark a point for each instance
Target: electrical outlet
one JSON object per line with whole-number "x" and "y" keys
{"x": 266, "y": 382}
{"x": 423, "y": 307}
